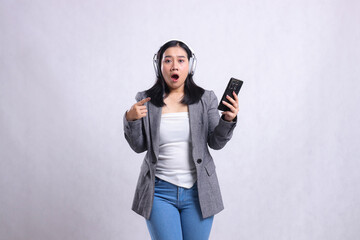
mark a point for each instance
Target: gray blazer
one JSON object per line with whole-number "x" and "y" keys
{"x": 206, "y": 129}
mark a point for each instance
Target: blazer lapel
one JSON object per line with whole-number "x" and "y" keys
{"x": 154, "y": 115}
{"x": 195, "y": 114}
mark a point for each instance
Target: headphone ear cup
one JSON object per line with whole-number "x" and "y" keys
{"x": 155, "y": 63}
{"x": 192, "y": 65}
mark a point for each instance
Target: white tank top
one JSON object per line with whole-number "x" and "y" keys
{"x": 175, "y": 164}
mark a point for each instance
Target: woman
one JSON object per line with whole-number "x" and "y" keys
{"x": 174, "y": 122}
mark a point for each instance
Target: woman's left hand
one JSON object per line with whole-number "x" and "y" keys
{"x": 234, "y": 108}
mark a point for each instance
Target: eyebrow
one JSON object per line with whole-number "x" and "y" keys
{"x": 176, "y": 56}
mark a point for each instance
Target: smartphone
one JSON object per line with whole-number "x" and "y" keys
{"x": 233, "y": 85}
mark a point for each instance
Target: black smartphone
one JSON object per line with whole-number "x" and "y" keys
{"x": 233, "y": 85}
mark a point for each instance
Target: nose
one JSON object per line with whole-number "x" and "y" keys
{"x": 174, "y": 66}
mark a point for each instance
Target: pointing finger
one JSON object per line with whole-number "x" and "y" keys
{"x": 142, "y": 102}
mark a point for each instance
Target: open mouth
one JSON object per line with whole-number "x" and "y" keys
{"x": 174, "y": 77}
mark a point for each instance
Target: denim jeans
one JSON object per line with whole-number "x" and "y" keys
{"x": 176, "y": 214}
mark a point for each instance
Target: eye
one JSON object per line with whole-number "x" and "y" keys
{"x": 181, "y": 60}
{"x": 167, "y": 61}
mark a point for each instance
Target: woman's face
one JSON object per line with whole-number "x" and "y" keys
{"x": 175, "y": 67}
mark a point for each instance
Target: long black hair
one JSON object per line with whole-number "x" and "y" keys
{"x": 192, "y": 92}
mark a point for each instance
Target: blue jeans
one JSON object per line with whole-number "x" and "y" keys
{"x": 176, "y": 214}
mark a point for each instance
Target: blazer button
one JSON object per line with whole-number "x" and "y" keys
{"x": 199, "y": 161}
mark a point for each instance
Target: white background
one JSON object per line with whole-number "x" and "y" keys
{"x": 70, "y": 69}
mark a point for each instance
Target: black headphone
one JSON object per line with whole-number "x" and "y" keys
{"x": 192, "y": 60}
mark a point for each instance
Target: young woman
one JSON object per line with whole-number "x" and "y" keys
{"x": 174, "y": 122}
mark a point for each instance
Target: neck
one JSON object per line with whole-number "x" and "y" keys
{"x": 177, "y": 91}
{"x": 175, "y": 95}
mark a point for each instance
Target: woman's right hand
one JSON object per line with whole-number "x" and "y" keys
{"x": 138, "y": 110}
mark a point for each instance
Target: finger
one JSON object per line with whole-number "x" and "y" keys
{"x": 143, "y": 111}
{"x": 142, "y": 107}
{"x": 143, "y": 114}
{"x": 235, "y": 102}
{"x": 142, "y": 102}
{"x": 232, "y": 108}
{"x": 236, "y": 97}
{"x": 231, "y": 100}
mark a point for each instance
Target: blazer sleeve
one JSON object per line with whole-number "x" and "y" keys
{"x": 219, "y": 130}
{"x": 134, "y": 132}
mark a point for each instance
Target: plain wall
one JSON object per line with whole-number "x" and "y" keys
{"x": 70, "y": 69}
